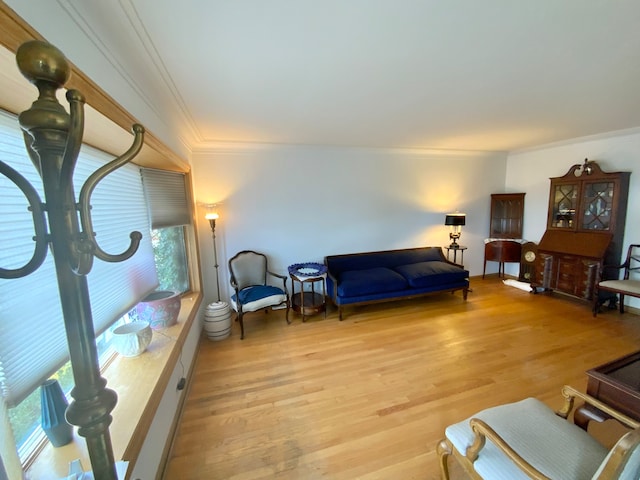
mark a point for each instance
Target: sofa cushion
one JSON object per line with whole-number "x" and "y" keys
{"x": 427, "y": 274}
{"x": 372, "y": 280}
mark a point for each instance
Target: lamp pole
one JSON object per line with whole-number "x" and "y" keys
{"x": 212, "y": 216}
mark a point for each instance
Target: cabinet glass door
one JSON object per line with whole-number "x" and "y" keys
{"x": 563, "y": 209}
{"x": 597, "y": 200}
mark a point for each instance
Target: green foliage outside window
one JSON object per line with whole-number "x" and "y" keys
{"x": 171, "y": 258}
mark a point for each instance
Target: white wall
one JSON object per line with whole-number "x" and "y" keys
{"x": 529, "y": 171}
{"x": 298, "y": 204}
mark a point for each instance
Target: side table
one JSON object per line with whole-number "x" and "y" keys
{"x": 455, "y": 251}
{"x": 308, "y": 302}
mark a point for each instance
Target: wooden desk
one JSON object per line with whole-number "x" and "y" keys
{"x": 617, "y": 384}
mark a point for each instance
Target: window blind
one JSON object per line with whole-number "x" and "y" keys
{"x": 166, "y": 196}
{"x": 32, "y": 335}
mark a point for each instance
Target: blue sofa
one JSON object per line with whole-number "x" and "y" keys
{"x": 372, "y": 277}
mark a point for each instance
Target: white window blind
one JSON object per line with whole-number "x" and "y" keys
{"x": 32, "y": 336}
{"x": 166, "y": 196}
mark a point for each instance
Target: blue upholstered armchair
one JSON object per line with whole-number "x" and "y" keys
{"x": 249, "y": 278}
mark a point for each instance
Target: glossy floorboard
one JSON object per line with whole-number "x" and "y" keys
{"x": 369, "y": 397}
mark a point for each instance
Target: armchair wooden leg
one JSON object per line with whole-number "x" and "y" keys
{"x": 444, "y": 452}
{"x": 241, "y": 325}
{"x": 286, "y": 315}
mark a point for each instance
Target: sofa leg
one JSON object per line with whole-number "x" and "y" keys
{"x": 465, "y": 292}
{"x": 340, "y": 313}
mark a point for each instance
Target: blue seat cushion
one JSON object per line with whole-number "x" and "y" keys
{"x": 373, "y": 280}
{"x": 428, "y": 274}
{"x": 251, "y": 294}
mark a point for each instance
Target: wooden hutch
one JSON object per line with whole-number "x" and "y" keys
{"x": 585, "y": 229}
{"x": 505, "y": 230}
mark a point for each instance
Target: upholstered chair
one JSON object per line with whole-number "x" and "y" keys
{"x": 250, "y": 278}
{"x": 628, "y": 285}
{"x": 528, "y": 440}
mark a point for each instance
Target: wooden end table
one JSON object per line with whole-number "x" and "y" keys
{"x": 308, "y": 302}
{"x": 617, "y": 384}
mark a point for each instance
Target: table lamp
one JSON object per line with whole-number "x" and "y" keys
{"x": 455, "y": 221}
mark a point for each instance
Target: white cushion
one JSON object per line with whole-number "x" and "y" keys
{"x": 554, "y": 446}
{"x": 631, "y": 287}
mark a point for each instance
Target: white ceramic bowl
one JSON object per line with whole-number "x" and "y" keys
{"x": 131, "y": 339}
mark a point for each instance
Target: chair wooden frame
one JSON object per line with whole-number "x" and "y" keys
{"x": 614, "y": 465}
{"x": 238, "y": 284}
{"x": 625, "y": 286}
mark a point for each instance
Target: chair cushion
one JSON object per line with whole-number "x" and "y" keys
{"x": 554, "y": 446}
{"x": 627, "y": 287}
{"x": 427, "y": 274}
{"x": 258, "y": 297}
{"x": 354, "y": 283}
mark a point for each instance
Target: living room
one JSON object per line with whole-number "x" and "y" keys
{"x": 298, "y": 201}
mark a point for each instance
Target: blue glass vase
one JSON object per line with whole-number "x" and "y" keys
{"x": 53, "y": 404}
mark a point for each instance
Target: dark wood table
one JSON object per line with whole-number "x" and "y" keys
{"x": 617, "y": 384}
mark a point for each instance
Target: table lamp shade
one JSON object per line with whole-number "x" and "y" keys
{"x": 455, "y": 219}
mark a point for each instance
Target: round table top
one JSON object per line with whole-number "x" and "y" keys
{"x": 307, "y": 270}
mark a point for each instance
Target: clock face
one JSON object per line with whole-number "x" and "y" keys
{"x": 529, "y": 256}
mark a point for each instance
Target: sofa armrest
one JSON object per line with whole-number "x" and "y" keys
{"x": 334, "y": 282}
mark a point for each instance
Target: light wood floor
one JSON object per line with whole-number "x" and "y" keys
{"x": 369, "y": 397}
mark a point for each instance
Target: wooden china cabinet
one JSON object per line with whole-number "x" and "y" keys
{"x": 505, "y": 230}
{"x": 585, "y": 229}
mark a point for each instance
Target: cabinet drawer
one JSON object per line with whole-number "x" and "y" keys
{"x": 567, "y": 269}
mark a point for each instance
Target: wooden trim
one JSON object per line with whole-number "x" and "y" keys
{"x": 15, "y": 31}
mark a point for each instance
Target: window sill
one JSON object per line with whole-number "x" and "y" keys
{"x": 140, "y": 383}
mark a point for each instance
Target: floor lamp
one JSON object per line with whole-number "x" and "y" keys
{"x": 212, "y": 216}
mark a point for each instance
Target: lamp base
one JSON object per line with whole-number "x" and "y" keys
{"x": 454, "y": 236}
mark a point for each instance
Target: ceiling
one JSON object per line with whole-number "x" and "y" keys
{"x": 495, "y": 75}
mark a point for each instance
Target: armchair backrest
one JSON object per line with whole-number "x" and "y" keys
{"x": 632, "y": 263}
{"x": 248, "y": 268}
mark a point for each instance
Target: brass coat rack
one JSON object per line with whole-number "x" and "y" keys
{"x": 53, "y": 138}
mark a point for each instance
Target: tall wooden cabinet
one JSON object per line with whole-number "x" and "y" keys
{"x": 507, "y": 215}
{"x": 585, "y": 229}
{"x": 505, "y": 230}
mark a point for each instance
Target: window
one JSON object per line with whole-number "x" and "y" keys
{"x": 171, "y": 263}
{"x": 168, "y": 204}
